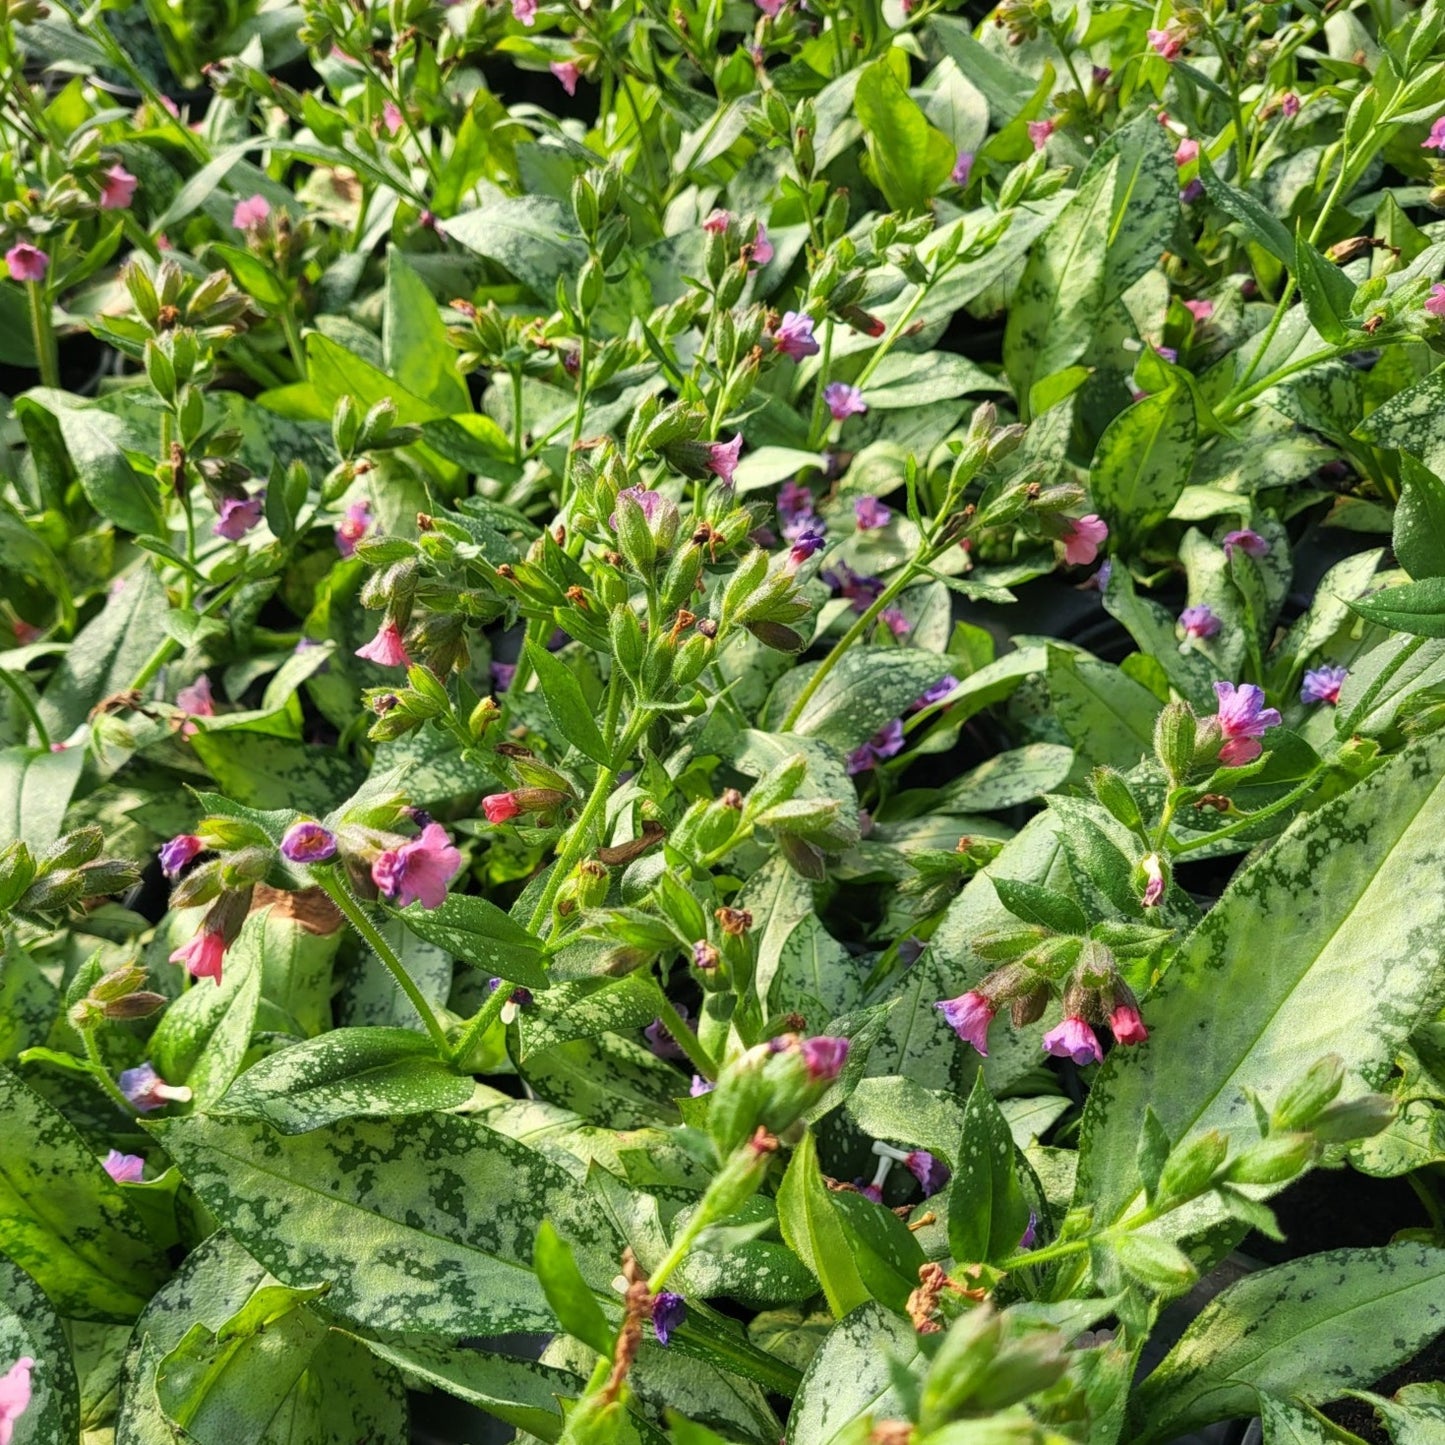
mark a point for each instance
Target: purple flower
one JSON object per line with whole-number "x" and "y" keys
{"x": 1074, "y": 1039}
{"x": 668, "y": 1312}
{"x": 962, "y": 168}
{"x": 1243, "y": 719}
{"x": 521, "y": 997}
{"x": 1199, "y": 621}
{"x": 175, "y": 854}
{"x": 700, "y": 1086}
{"x": 502, "y": 675}
{"x": 861, "y": 591}
{"x": 1169, "y": 353}
{"x": 929, "y": 1170}
{"x": 705, "y": 955}
{"x": 894, "y": 620}
{"x": 124, "y": 1168}
{"x": 1192, "y": 192}
{"x": 1031, "y": 1232}
{"x": 806, "y": 543}
{"x": 308, "y": 842}
{"x": 795, "y": 502}
{"x": 661, "y": 1042}
{"x": 723, "y": 459}
{"x": 717, "y": 223}
{"x": 238, "y": 515}
{"x": 844, "y": 400}
{"x": 887, "y": 741}
{"x": 197, "y": 700}
{"x": 794, "y": 336}
{"x": 1323, "y": 684}
{"x": 648, "y": 500}
{"x": 824, "y": 1058}
{"x": 1099, "y": 582}
{"x": 871, "y": 514}
{"x": 419, "y": 869}
{"x": 934, "y": 693}
{"x": 148, "y": 1092}
{"x": 1250, "y": 543}
{"x": 969, "y": 1016}
{"x": 352, "y": 527}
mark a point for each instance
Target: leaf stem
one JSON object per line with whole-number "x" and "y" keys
{"x": 101, "y": 1074}
{"x": 1249, "y": 819}
{"x": 43, "y": 334}
{"x": 684, "y": 1036}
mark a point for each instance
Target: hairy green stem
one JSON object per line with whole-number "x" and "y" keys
{"x": 43, "y": 333}
{"x": 22, "y": 696}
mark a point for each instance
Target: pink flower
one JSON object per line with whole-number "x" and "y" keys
{"x": 1250, "y": 543}
{"x": 178, "y": 852}
{"x": 25, "y": 632}
{"x": 871, "y": 514}
{"x": 1435, "y": 301}
{"x": 717, "y": 223}
{"x": 962, "y": 168}
{"x": 1188, "y": 150}
{"x": 117, "y": 188}
{"x": 525, "y": 11}
{"x": 147, "y": 1091}
{"x": 794, "y": 336}
{"x": 1199, "y": 621}
{"x": 14, "y": 1396}
{"x": 1435, "y": 141}
{"x": 500, "y": 807}
{"x": 762, "y": 248}
{"x": 352, "y": 528}
{"x": 250, "y": 213}
{"x": 26, "y": 262}
{"x": 197, "y": 700}
{"x": 1039, "y": 132}
{"x": 824, "y": 1058}
{"x": 1201, "y": 311}
{"x": 1155, "y": 882}
{"x": 1169, "y": 43}
{"x": 1243, "y": 719}
{"x": 1074, "y": 1039}
{"x": 124, "y": 1168}
{"x": 969, "y": 1016}
{"x": 308, "y": 842}
{"x": 1289, "y": 104}
{"x": 1081, "y": 541}
{"x": 386, "y": 649}
{"x": 568, "y": 72}
{"x": 843, "y": 400}
{"x": 391, "y": 117}
{"x": 238, "y": 515}
{"x": 419, "y": 870}
{"x": 203, "y": 955}
{"x": 770, "y": 8}
{"x": 1323, "y": 684}
{"x": 895, "y": 622}
{"x": 722, "y": 458}
{"x": 1126, "y": 1024}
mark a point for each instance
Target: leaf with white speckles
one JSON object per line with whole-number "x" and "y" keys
{"x": 29, "y": 1329}
{"x": 851, "y": 1376}
{"x": 987, "y": 1211}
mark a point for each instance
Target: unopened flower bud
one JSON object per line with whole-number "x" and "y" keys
{"x": 1174, "y": 740}
{"x": 1275, "y": 1160}
{"x": 1191, "y": 1167}
{"x": 1301, "y": 1103}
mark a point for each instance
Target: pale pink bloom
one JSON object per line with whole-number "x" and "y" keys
{"x": 1289, "y": 104}
{"x": 723, "y": 458}
{"x": 1435, "y": 141}
{"x": 391, "y": 117}
{"x": 1154, "y": 881}
{"x": 1169, "y": 43}
{"x": 117, "y": 188}
{"x": 26, "y": 262}
{"x": 1039, "y": 132}
{"x": 969, "y": 1016}
{"x": 124, "y": 1168}
{"x": 843, "y": 400}
{"x": 1074, "y": 1039}
{"x": 718, "y": 222}
{"x": 1248, "y": 542}
{"x": 14, "y": 1396}
{"x": 197, "y": 700}
{"x": 762, "y": 251}
{"x": 386, "y": 649}
{"x": 501, "y": 807}
{"x": 525, "y": 11}
{"x": 770, "y": 8}
{"x": 419, "y": 870}
{"x": 1081, "y": 541}
{"x": 203, "y": 955}
{"x": 1435, "y": 301}
{"x": 238, "y": 515}
{"x": 568, "y": 72}
{"x": 1186, "y": 151}
{"x": 1201, "y": 311}
{"x": 250, "y": 213}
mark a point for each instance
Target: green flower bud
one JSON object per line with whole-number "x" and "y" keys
{"x": 1174, "y": 740}
{"x": 1302, "y": 1102}
{"x": 1275, "y": 1160}
{"x": 1192, "y": 1165}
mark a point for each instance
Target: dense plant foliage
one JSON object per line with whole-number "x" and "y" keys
{"x": 722, "y": 721}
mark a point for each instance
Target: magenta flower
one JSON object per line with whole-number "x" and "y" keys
{"x": 352, "y": 527}
{"x": 1250, "y": 543}
{"x": 1081, "y": 541}
{"x": 1168, "y": 43}
{"x": 962, "y": 168}
{"x": 871, "y": 514}
{"x": 567, "y": 73}
{"x": 770, "y": 8}
{"x": 795, "y": 504}
{"x": 668, "y": 1312}
{"x": 251, "y": 213}
{"x": 1039, "y": 133}
{"x": 203, "y": 955}
{"x": 419, "y": 870}
{"x": 238, "y": 516}
{"x": 386, "y": 649}
{"x": 794, "y": 336}
{"x": 1126, "y": 1024}
{"x": 1289, "y": 104}
{"x": 1435, "y": 301}
{"x": 1199, "y": 621}
{"x": 1435, "y": 141}
{"x": 1169, "y": 353}
{"x": 1186, "y": 151}
{"x": 969, "y": 1016}
{"x": 525, "y": 12}
{"x": 844, "y": 400}
{"x": 179, "y": 851}
{"x": 1323, "y": 684}
{"x": 1074, "y": 1039}
{"x": 124, "y": 1168}
{"x": 1243, "y": 719}
{"x": 197, "y": 700}
{"x": 934, "y": 693}
{"x": 391, "y": 117}
{"x": 762, "y": 248}
{"x": 308, "y": 842}
{"x": 894, "y": 620}
{"x": 26, "y": 262}
{"x": 501, "y": 807}
{"x": 117, "y": 188}
{"x": 722, "y": 458}
{"x": 929, "y": 1170}
{"x": 824, "y": 1058}
{"x": 1201, "y": 311}
{"x": 717, "y": 223}
{"x": 14, "y": 1396}
{"x": 147, "y": 1091}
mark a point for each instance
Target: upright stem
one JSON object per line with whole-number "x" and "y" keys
{"x": 685, "y": 1038}
{"x": 101, "y": 1074}
{"x": 340, "y": 895}
{"x": 816, "y": 424}
{"x": 43, "y": 334}
{"x": 22, "y": 696}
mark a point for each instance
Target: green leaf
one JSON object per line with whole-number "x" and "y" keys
{"x": 1412, "y": 421}
{"x": 378, "y": 1073}
{"x": 567, "y": 1292}
{"x": 813, "y": 964}
{"x": 1414, "y": 607}
{"x": 868, "y": 687}
{"x": 479, "y": 933}
{"x": 1259, "y": 224}
{"x": 574, "y": 717}
{"x": 1419, "y": 536}
{"x": 272, "y": 773}
{"x": 1304, "y": 1330}
{"x": 1416, "y": 1415}
{"x": 64, "y": 1220}
{"x": 1287, "y": 1424}
{"x": 851, "y": 1377}
{"x": 1108, "y": 716}
{"x": 911, "y": 159}
{"x": 204, "y": 1034}
{"x": 1358, "y": 973}
{"x": 1033, "y": 904}
{"x": 1327, "y": 293}
{"x": 29, "y": 1328}
{"x": 533, "y": 237}
{"x": 414, "y": 340}
{"x": 110, "y": 484}
{"x": 35, "y": 790}
{"x": 1005, "y": 780}
{"x": 886, "y": 1255}
{"x": 898, "y": 1110}
{"x": 1142, "y": 463}
{"x": 812, "y": 1230}
{"x": 987, "y": 1211}
{"x": 254, "y": 277}
{"x": 423, "y": 1225}
{"x": 1005, "y": 87}
{"x": 585, "y": 1008}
